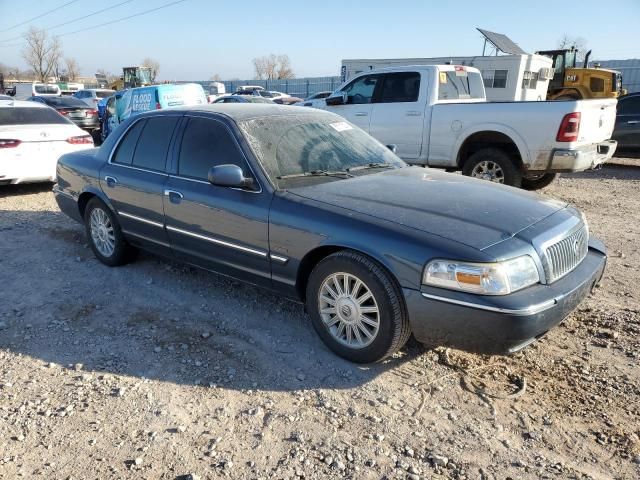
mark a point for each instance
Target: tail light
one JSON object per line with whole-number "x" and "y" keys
{"x": 63, "y": 112}
{"x": 569, "y": 128}
{"x": 91, "y": 112}
{"x": 158, "y": 106}
{"x": 9, "y": 143}
{"x": 81, "y": 140}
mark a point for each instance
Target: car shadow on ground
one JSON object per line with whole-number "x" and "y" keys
{"x": 611, "y": 171}
{"x": 24, "y": 189}
{"x": 158, "y": 319}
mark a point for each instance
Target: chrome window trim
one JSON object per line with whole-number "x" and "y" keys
{"x": 140, "y": 219}
{"x": 260, "y": 253}
{"x": 530, "y": 310}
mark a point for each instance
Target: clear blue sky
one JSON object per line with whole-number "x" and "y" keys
{"x": 196, "y": 39}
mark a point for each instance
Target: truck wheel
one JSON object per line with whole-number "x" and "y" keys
{"x": 104, "y": 235}
{"x": 356, "y": 308}
{"x": 494, "y": 165}
{"x": 536, "y": 182}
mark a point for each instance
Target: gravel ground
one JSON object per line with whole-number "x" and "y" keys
{"x": 159, "y": 370}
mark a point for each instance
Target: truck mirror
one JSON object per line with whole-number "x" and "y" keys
{"x": 339, "y": 98}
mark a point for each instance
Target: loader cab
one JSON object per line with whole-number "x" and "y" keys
{"x": 562, "y": 60}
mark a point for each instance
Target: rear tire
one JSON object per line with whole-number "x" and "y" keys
{"x": 538, "y": 182}
{"x": 357, "y": 308}
{"x": 494, "y": 165}
{"x": 105, "y": 236}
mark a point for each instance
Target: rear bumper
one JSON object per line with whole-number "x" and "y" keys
{"x": 583, "y": 158}
{"x": 501, "y": 324}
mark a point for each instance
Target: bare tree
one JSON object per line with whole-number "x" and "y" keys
{"x": 41, "y": 53}
{"x": 578, "y": 43}
{"x": 273, "y": 67}
{"x": 154, "y": 65}
{"x": 72, "y": 68}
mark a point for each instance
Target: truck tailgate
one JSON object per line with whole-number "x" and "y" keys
{"x": 597, "y": 119}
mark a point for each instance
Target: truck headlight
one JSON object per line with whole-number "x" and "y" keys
{"x": 499, "y": 278}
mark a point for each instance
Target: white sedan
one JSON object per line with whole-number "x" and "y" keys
{"x": 32, "y": 138}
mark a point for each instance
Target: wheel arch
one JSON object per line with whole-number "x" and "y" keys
{"x": 319, "y": 253}
{"x": 494, "y": 136}
{"x": 88, "y": 194}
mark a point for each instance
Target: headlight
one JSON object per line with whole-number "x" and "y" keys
{"x": 500, "y": 278}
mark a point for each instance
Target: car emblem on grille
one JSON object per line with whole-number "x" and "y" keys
{"x": 576, "y": 247}
{"x": 44, "y": 134}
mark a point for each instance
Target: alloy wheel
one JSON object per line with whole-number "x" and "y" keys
{"x": 349, "y": 310}
{"x": 102, "y": 232}
{"x": 488, "y": 170}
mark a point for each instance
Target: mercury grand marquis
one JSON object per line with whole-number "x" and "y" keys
{"x": 306, "y": 204}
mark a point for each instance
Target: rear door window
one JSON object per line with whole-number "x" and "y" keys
{"x": 207, "y": 143}
{"x": 124, "y": 152}
{"x": 400, "y": 87}
{"x": 153, "y": 144}
{"x": 459, "y": 85}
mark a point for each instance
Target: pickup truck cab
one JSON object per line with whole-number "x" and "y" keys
{"x": 438, "y": 116}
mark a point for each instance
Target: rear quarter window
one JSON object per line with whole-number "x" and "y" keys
{"x": 31, "y": 116}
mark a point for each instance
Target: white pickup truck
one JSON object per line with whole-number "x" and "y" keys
{"x": 438, "y": 116}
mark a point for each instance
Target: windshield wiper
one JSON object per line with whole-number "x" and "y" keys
{"x": 317, "y": 173}
{"x": 369, "y": 165}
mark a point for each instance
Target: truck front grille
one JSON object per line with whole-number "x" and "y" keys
{"x": 565, "y": 255}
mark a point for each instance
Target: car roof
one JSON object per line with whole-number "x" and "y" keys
{"x": 249, "y": 111}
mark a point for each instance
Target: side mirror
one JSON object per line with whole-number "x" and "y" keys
{"x": 393, "y": 148}
{"x": 229, "y": 176}
{"x": 339, "y": 98}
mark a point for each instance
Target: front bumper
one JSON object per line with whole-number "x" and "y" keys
{"x": 501, "y": 324}
{"x": 583, "y": 158}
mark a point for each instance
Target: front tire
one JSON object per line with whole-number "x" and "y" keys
{"x": 537, "y": 182}
{"x": 494, "y": 165}
{"x": 356, "y": 308}
{"x": 104, "y": 234}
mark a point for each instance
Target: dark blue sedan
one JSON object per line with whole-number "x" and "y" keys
{"x": 306, "y": 204}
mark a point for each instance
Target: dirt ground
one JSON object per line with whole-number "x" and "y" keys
{"x": 157, "y": 370}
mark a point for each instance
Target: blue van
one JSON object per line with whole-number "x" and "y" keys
{"x": 142, "y": 99}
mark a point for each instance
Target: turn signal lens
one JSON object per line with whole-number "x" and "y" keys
{"x": 499, "y": 278}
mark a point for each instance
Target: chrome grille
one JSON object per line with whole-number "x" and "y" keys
{"x": 566, "y": 254}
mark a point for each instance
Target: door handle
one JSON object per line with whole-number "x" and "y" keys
{"x": 633, "y": 122}
{"x": 361, "y": 114}
{"x": 111, "y": 181}
{"x": 413, "y": 113}
{"x": 174, "y": 197}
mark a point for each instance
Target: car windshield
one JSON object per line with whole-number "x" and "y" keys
{"x": 312, "y": 147}
{"x": 30, "y": 116}
{"x": 105, "y": 94}
{"x": 64, "y": 102}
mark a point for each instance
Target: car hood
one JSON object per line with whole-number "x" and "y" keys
{"x": 473, "y": 212}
